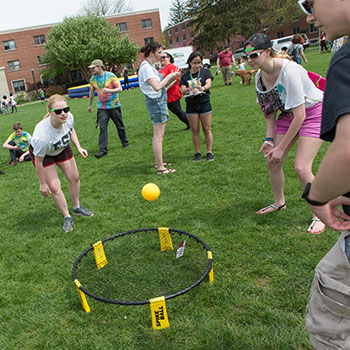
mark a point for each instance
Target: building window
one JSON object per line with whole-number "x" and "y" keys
{"x": 296, "y": 16}
{"x": 170, "y": 41}
{"x": 177, "y": 39}
{"x": 146, "y": 23}
{"x": 14, "y": 65}
{"x": 122, "y": 27}
{"x": 169, "y": 32}
{"x": 40, "y": 61}
{"x": 75, "y": 75}
{"x": 184, "y": 37}
{"x": 18, "y": 85}
{"x": 175, "y": 30}
{"x": 183, "y": 26}
{"x": 312, "y": 28}
{"x": 296, "y": 30}
{"x": 191, "y": 35}
{"x": 9, "y": 45}
{"x": 39, "y": 40}
{"x": 280, "y": 34}
{"x": 148, "y": 40}
{"x": 279, "y": 21}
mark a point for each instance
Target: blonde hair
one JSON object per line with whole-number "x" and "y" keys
{"x": 284, "y": 55}
{"x": 52, "y": 99}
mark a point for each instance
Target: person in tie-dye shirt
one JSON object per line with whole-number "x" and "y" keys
{"x": 18, "y": 145}
{"x": 107, "y": 86}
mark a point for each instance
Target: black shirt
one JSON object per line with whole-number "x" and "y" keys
{"x": 336, "y": 101}
{"x": 204, "y": 75}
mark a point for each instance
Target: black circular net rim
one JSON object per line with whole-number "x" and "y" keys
{"x": 143, "y": 302}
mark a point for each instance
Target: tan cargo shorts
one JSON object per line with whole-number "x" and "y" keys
{"x": 328, "y": 310}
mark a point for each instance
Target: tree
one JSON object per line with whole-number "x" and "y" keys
{"x": 177, "y": 12}
{"x": 213, "y": 26}
{"x": 77, "y": 41}
{"x": 105, "y": 7}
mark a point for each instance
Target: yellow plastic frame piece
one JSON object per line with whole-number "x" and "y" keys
{"x": 165, "y": 239}
{"x": 159, "y": 315}
{"x": 82, "y": 297}
{"x": 211, "y": 272}
{"x": 100, "y": 256}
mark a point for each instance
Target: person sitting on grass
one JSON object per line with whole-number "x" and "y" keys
{"x": 292, "y": 106}
{"x": 50, "y": 148}
{"x": 18, "y": 145}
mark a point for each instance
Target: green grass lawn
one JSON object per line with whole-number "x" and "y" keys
{"x": 263, "y": 265}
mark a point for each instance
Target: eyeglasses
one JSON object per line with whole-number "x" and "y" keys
{"x": 162, "y": 57}
{"x": 60, "y": 110}
{"x": 253, "y": 55}
{"x": 306, "y": 6}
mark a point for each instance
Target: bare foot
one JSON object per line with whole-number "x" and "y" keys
{"x": 316, "y": 227}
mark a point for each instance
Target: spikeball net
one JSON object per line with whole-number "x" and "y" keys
{"x": 145, "y": 266}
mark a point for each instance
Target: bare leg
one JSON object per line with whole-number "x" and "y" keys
{"x": 194, "y": 122}
{"x": 157, "y": 144}
{"x": 54, "y": 184}
{"x": 206, "y": 126}
{"x": 70, "y": 171}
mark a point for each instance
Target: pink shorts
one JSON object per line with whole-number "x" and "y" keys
{"x": 311, "y": 126}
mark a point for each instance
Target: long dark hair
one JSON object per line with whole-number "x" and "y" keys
{"x": 193, "y": 55}
{"x": 150, "y": 47}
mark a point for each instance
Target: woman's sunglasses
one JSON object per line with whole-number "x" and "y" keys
{"x": 59, "y": 110}
{"x": 252, "y": 55}
{"x": 306, "y": 6}
{"x": 163, "y": 57}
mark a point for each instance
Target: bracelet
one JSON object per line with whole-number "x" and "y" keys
{"x": 269, "y": 138}
{"x": 269, "y": 143}
{"x": 305, "y": 195}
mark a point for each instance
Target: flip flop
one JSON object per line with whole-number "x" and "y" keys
{"x": 164, "y": 164}
{"x": 314, "y": 221}
{"x": 271, "y": 208}
{"x": 165, "y": 171}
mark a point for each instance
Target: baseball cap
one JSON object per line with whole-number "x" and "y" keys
{"x": 258, "y": 41}
{"x": 96, "y": 63}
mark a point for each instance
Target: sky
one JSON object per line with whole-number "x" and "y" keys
{"x": 34, "y": 12}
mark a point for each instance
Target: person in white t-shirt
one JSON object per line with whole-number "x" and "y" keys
{"x": 292, "y": 106}
{"x": 153, "y": 87}
{"x": 50, "y": 147}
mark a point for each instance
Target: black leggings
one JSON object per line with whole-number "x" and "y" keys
{"x": 175, "y": 107}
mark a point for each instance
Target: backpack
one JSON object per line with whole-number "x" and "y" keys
{"x": 294, "y": 52}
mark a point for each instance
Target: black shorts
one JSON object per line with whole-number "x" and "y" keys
{"x": 65, "y": 155}
{"x": 198, "y": 108}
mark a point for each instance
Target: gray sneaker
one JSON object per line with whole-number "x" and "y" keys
{"x": 67, "y": 224}
{"x": 82, "y": 211}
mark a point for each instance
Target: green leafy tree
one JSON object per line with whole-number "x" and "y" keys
{"x": 77, "y": 41}
{"x": 217, "y": 21}
{"x": 177, "y": 12}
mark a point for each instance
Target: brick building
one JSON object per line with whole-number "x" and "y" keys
{"x": 21, "y": 48}
{"x": 182, "y": 34}
{"x": 297, "y": 25}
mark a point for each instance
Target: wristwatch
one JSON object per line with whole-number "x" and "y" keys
{"x": 305, "y": 195}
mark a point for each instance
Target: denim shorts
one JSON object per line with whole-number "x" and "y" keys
{"x": 198, "y": 108}
{"x": 158, "y": 108}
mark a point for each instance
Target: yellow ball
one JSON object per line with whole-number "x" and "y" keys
{"x": 150, "y": 191}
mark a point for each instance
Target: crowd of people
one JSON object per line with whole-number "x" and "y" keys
{"x": 295, "y": 111}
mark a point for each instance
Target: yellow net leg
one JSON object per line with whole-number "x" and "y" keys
{"x": 211, "y": 272}
{"x": 165, "y": 239}
{"x": 100, "y": 256}
{"x": 159, "y": 314}
{"x": 82, "y": 297}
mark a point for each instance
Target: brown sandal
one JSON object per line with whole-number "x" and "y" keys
{"x": 165, "y": 171}
{"x": 164, "y": 164}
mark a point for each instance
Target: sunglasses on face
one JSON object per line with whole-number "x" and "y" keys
{"x": 163, "y": 57}
{"x": 306, "y": 6}
{"x": 253, "y": 55}
{"x": 60, "y": 110}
